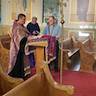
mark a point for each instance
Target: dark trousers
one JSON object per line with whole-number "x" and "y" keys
{"x": 56, "y": 60}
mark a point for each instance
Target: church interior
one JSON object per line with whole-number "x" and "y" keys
{"x": 57, "y": 58}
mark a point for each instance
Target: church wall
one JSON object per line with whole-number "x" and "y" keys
{"x": 37, "y": 9}
{"x": 10, "y": 9}
{"x": 5, "y": 12}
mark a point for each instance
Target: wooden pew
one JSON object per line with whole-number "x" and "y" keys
{"x": 4, "y": 58}
{"x": 71, "y": 55}
{"x": 4, "y": 51}
{"x": 41, "y": 84}
{"x": 7, "y": 82}
{"x": 5, "y": 40}
{"x": 87, "y": 55}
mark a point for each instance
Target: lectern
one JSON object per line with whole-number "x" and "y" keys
{"x": 40, "y": 51}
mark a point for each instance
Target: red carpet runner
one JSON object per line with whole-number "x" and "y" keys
{"x": 84, "y": 83}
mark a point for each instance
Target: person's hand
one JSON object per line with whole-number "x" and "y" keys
{"x": 34, "y": 32}
{"x": 29, "y": 38}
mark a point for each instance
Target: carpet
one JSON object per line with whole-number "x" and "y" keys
{"x": 83, "y": 82}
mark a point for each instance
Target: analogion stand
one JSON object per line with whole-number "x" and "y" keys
{"x": 41, "y": 46}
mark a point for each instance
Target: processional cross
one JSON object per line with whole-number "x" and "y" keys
{"x": 61, "y": 4}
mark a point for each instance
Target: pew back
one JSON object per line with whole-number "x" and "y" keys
{"x": 7, "y": 82}
{"x": 71, "y": 55}
{"x": 5, "y": 40}
{"x": 4, "y": 58}
{"x": 87, "y": 58}
{"x": 41, "y": 84}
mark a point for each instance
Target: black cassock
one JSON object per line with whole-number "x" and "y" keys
{"x": 18, "y": 69}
